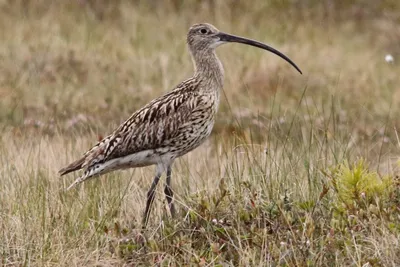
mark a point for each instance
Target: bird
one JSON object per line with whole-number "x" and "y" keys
{"x": 171, "y": 125}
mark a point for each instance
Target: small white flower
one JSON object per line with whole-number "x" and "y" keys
{"x": 214, "y": 221}
{"x": 389, "y": 58}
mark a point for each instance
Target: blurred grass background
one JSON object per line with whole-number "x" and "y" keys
{"x": 71, "y": 71}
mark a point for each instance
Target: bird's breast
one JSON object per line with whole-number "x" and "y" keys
{"x": 199, "y": 125}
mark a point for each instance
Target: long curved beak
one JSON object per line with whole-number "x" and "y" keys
{"x": 224, "y": 37}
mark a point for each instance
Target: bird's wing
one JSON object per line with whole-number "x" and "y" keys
{"x": 154, "y": 125}
{"x": 150, "y": 127}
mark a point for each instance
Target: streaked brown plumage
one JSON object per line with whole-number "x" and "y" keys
{"x": 171, "y": 125}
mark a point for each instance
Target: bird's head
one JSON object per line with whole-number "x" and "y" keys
{"x": 205, "y": 37}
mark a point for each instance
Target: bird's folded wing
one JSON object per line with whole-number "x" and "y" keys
{"x": 153, "y": 126}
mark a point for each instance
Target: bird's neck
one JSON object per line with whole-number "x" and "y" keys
{"x": 208, "y": 69}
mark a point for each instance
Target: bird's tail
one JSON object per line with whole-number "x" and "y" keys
{"x": 91, "y": 172}
{"x": 74, "y": 166}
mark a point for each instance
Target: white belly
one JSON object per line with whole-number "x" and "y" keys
{"x": 139, "y": 159}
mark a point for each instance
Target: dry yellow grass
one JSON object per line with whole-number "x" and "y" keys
{"x": 72, "y": 71}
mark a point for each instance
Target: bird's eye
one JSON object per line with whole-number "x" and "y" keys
{"x": 203, "y": 31}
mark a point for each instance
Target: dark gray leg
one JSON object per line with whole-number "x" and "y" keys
{"x": 168, "y": 192}
{"x": 150, "y": 198}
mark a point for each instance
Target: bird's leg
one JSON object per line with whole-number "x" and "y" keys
{"x": 150, "y": 198}
{"x": 168, "y": 192}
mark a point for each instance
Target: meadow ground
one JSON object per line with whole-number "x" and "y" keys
{"x": 299, "y": 171}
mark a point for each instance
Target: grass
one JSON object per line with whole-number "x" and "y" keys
{"x": 299, "y": 171}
